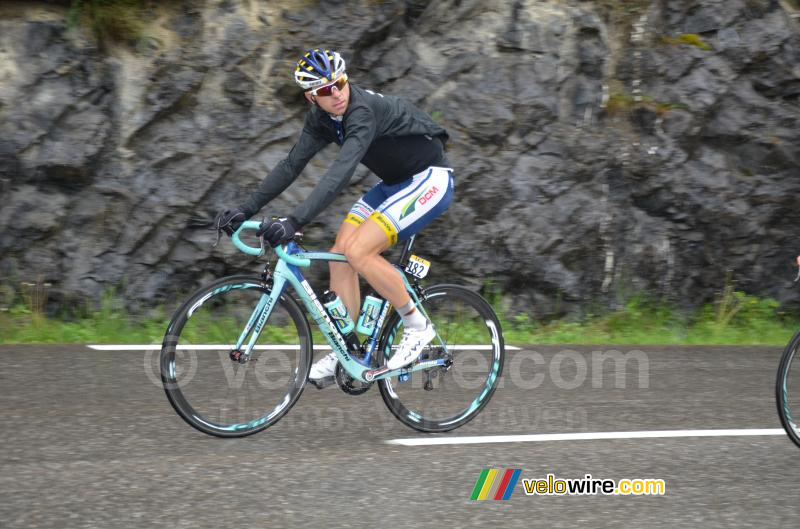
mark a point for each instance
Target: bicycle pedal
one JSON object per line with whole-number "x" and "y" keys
{"x": 322, "y": 383}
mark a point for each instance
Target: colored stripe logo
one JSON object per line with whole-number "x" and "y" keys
{"x": 495, "y": 484}
{"x": 409, "y": 208}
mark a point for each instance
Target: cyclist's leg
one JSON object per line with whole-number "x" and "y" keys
{"x": 400, "y": 216}
{"x": 363, "y": 251}
{"x": 344, "y": 278}
{"x": 344, "y": 281}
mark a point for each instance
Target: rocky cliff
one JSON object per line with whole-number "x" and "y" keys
{"x": 600, "y": 148}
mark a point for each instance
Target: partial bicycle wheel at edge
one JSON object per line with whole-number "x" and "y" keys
{"x": 787, "y": 389}
{"x": 217, "y": 394}
{"x": 468, "y": 334}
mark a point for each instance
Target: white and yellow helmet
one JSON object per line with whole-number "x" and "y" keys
{"x": 317, "y": 68}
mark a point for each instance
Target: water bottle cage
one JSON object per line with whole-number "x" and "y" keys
{"x": 370, "y": 313}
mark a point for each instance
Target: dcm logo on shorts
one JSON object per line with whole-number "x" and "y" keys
{"x": 428, "y": 195}
{"x": 421, "y": 198}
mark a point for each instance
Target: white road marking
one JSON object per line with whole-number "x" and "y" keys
{"x": 430, "y": 441}
{"x": 156, "y": 347}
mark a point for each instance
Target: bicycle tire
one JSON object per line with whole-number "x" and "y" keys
{"x": 205, "y": 316}
{"x": 784, "y": 390}
{"x": 426, "y": 411}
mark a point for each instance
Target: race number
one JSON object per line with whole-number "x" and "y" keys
{"x": 417, "y": 266}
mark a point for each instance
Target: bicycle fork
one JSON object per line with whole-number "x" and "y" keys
{"x": 257, "y": 320}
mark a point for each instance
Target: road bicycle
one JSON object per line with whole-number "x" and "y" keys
{"x": 787, "y": 386}
{"x": 237, "y": 353}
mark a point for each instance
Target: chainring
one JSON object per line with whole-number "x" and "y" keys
{"x": 348, "y": 384}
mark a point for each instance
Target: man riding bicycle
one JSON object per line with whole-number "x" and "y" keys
{"x": 398, "y": 142}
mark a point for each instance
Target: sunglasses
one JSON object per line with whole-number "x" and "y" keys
{"x": 327, "y": 90}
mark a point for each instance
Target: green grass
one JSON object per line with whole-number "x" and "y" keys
{"x": 735, "y": 319}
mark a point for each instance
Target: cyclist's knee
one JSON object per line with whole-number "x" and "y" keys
{"x": 357, "y": 253}
{"x": 354, "y": 254}
{"x": 343, "y": 238}
{"x": 342, "y": 243}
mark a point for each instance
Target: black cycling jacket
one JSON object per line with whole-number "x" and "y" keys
{"x": 392, "y": 137}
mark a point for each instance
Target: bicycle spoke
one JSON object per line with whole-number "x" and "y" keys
{"x": 454, "y": 395}
{"x": 223, "y": 396}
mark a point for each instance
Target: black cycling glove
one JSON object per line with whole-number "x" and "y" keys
{"x": 278, "y": 231}
{"x": 230, "y": 220}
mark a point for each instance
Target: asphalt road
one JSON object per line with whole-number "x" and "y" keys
{"x": 88, "y": 440}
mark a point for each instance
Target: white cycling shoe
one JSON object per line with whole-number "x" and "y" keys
{"x": 411, "y": 346}
{"x": 322, "y": 371}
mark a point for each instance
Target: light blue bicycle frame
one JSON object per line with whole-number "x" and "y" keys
{"x": 287, "y": 272}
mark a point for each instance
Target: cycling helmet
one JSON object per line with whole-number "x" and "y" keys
{"x": 317, "y": 68}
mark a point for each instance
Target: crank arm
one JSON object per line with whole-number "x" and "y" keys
{"x": 384, "y": 372}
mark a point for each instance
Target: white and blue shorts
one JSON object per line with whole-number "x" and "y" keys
{"x": 403, "y": 209}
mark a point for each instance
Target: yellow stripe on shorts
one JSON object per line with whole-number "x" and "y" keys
{"x": 354, "y": 219}
{"x": 386, "y": 225}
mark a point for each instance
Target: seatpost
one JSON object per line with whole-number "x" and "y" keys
{"x": 407, "y": 251}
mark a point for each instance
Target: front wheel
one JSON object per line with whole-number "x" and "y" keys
{"x": 202, "y": 374}
{"x": 469, "y": 339}
{"x": 787, "y": 389}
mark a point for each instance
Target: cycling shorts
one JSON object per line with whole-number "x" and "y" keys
{"x": 403, "y": 209}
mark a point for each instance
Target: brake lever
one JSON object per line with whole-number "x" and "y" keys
{"x": 216, "y": 226}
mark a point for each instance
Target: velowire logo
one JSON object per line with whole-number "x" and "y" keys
{"x": 495, "y": 484}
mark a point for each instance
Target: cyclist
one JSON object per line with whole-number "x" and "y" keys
{"x": 404, "y": 147}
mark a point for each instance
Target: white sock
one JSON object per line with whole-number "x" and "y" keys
{"x": 412, "y": 318}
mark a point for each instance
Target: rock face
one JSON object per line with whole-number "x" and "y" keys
{"x": 599, "y": 150}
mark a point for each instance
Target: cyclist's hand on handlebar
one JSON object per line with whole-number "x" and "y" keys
{"x": 278, "y": 231}
{"x": 230, "y": 220}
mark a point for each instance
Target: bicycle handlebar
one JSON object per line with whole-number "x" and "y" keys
{"x": 252, "y": 250}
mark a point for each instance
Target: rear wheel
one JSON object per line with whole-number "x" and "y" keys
{"x": 205, "y": 381}
{"x": 470, "y": 339}
{"x": 787, "y": 389}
